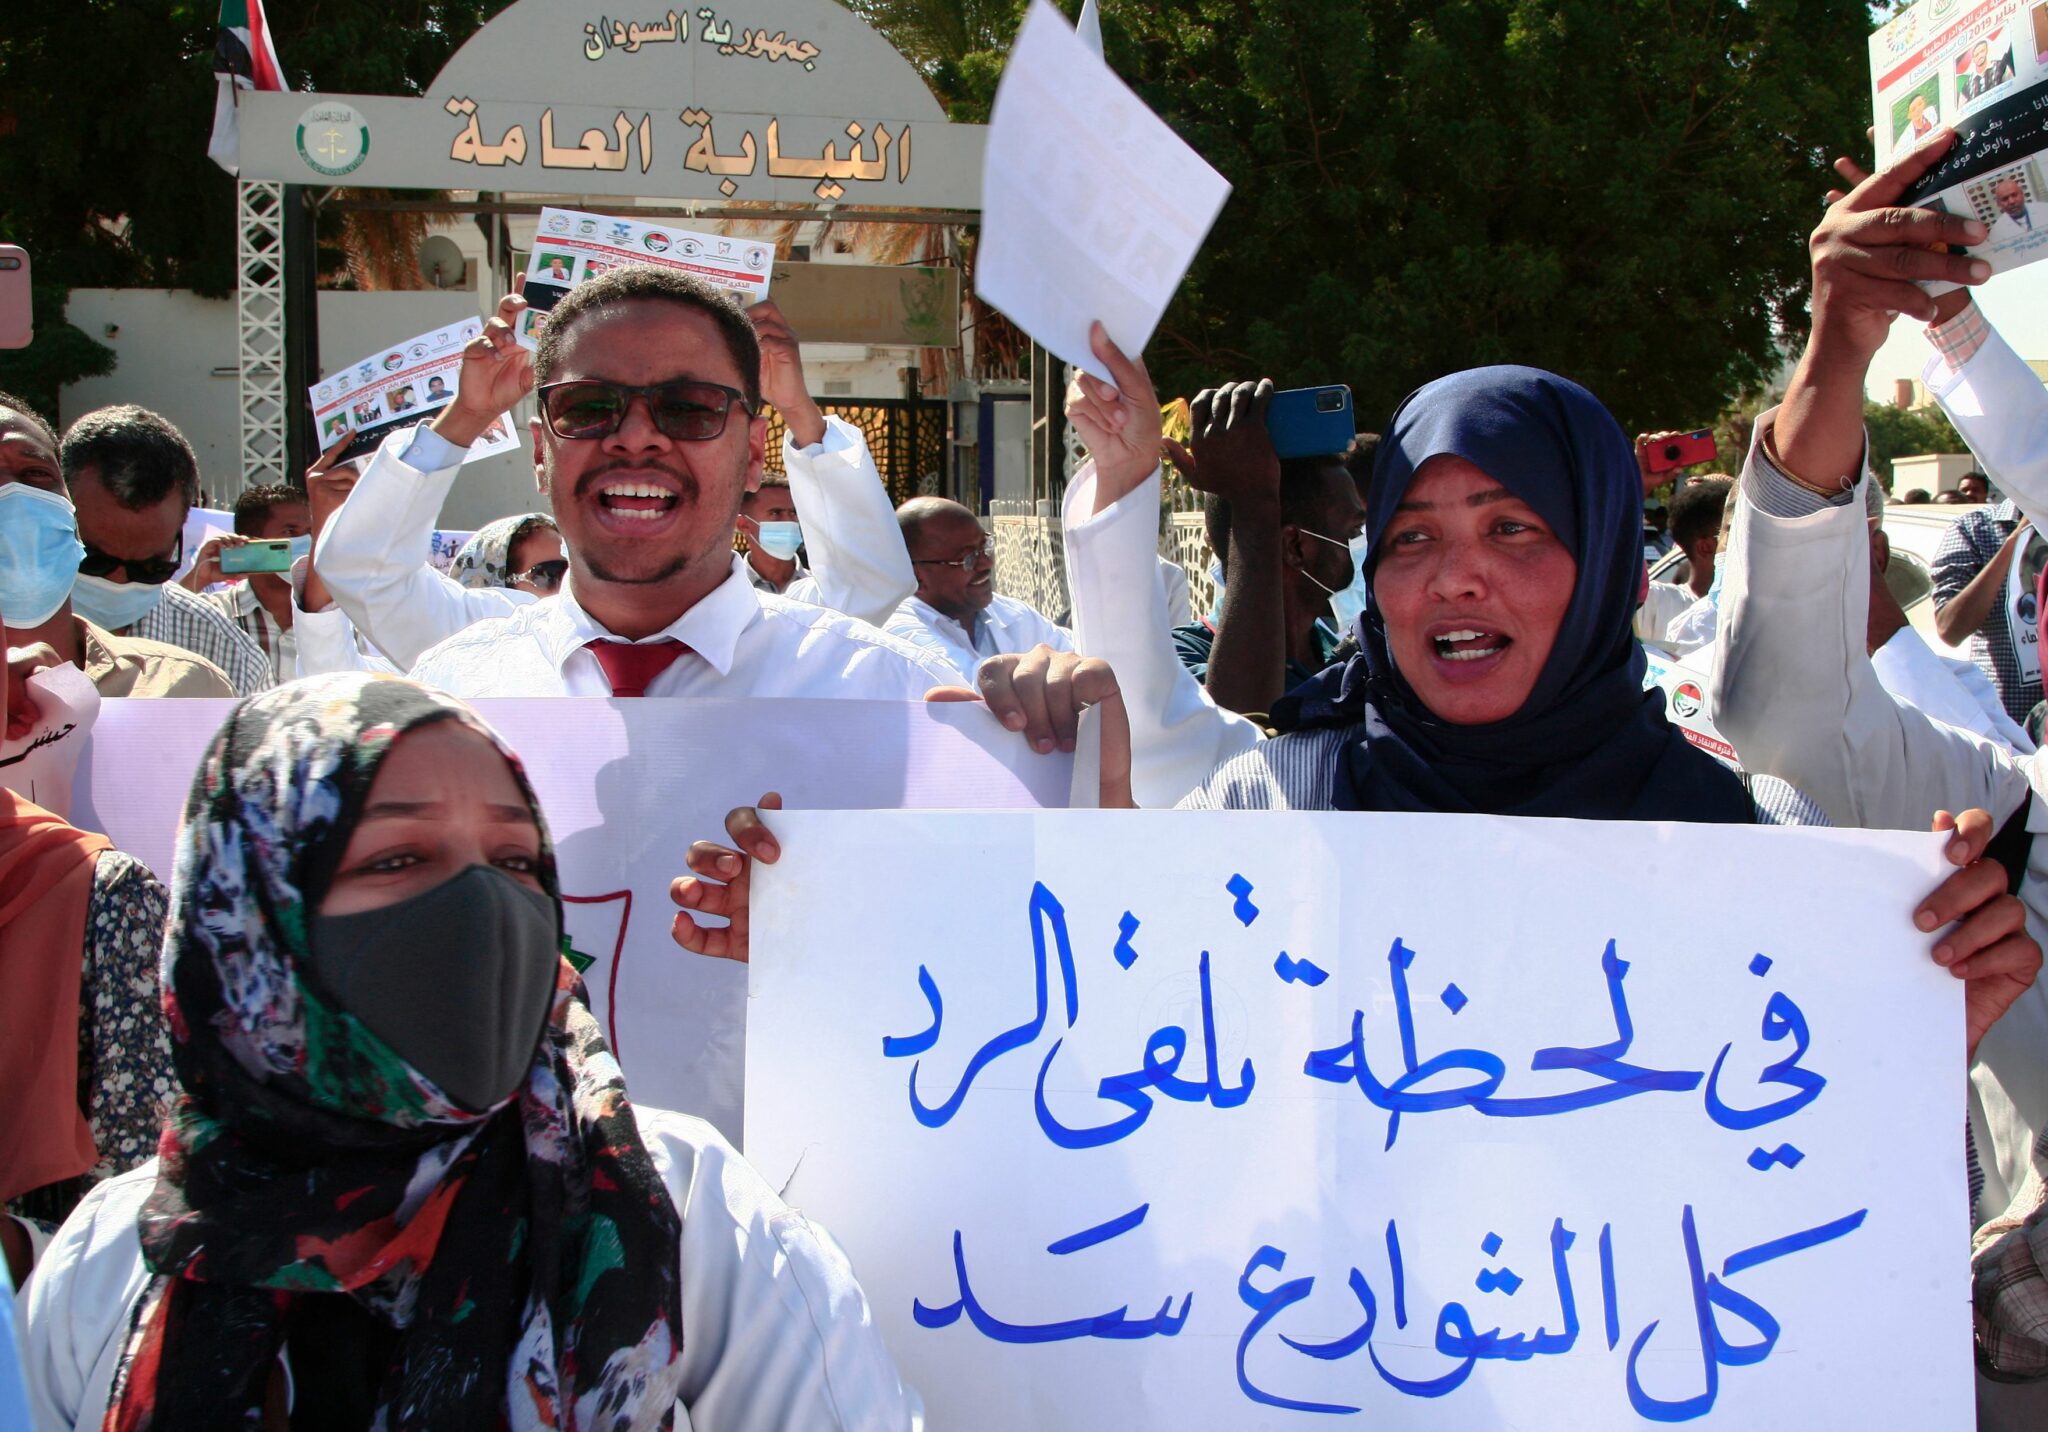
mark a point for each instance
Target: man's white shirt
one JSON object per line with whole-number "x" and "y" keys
{"x": 372, "y": 555}
{"x": 1004, "y": 627}
{"x": 742, "y": 642}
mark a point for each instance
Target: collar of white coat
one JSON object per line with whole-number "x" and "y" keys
{"x": 711, "y": 628}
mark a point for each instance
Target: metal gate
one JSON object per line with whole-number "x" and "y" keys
{"x": 907, "y": 437}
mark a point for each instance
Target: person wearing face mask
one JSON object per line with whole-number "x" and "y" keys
{"x": 39, "y": 557}
{"x": 132, "y": 478}
{"x": 768, "y": 520}
{"x": 403, "y": 1184}
{"x": 1290, "y": 538}
{"x": 260, "y": 603}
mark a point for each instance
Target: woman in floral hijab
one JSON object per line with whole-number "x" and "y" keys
{"x": 512, "y": 1266}
{"x": 506, "y": 552}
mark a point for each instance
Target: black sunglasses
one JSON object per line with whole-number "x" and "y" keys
{"x": 683, "y": 409}
{"x": 147, "y": 570}
{"x": 545, "y": 575}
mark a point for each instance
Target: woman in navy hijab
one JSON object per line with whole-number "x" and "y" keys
{"x": 1497, "y": 669}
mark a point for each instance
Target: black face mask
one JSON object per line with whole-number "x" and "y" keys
{"x": 457, "y": 981}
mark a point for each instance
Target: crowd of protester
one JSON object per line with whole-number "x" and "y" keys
{"x": 337, "y": 1141}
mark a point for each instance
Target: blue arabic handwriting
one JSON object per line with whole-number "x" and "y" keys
{"x": 1457, "y": 1338}
{"x": 1709, "y": 1292}
{"x": 1116, "y": 1326}
{"x": 1419, "y": 1088}
{"x": 1782, "y": 1019}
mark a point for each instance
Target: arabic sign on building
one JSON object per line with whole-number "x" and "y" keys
{"x": 792, "y": 101}
{"x": 1317, "y": 1120}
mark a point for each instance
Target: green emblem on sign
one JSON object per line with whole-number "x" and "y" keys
{"x": 333, "y": 139}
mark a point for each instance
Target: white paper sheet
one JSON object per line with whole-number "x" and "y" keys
{"x": 1092, "y": 207}
{"x": 1754, "y": 1117}
{"x": 626, "y": 787}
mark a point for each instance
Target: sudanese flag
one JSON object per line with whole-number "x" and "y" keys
{"x": 243, "y": 58}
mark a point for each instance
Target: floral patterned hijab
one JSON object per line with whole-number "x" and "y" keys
{"x": 485, "y": 560}
{"x": 526, "y": 1256}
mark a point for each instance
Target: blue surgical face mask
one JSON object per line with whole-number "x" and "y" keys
{"x": 302, "y": 546}
{"x": 780, "y": 540}
{"x": 114, "y": 605}
{"x": 1347, "y": 604}
{"x": 39, "y": 554}
{"x": 1216, "y": 576}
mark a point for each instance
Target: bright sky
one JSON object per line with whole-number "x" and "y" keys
{"x": 2016, "y": 302}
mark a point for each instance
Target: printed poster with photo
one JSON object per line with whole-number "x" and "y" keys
{"x": 1982, "y": 69}
{"x": 571, "y": 246}
{"x": 400, "y": 387}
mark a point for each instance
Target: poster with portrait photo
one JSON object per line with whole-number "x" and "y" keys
{"x": 1917, "y": 113}
{"x": 398, "y": 388}
{"x": 573, "y": 247}
{"x": 1982, "y": 69}
{"x": 1987, "y": 64}
{"x": 2012, "y": 203}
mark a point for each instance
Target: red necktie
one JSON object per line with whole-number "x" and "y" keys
{"x": 632, "y": 666}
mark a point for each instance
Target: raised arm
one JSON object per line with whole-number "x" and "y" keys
{"x": 371, "y": 555}
{"x": 1111, "y": 533}
{"x": 1231, "y": 456}
{"x": 1794, "y": 689}
{"x": 858, "y": 561}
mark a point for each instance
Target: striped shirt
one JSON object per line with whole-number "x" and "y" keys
{"x": 245, "y": 611}
{"x": 1969, "y": 547}
{"x": 188, "y": 620}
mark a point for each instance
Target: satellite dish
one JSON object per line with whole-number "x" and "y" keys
{"x": 441, "y": 262}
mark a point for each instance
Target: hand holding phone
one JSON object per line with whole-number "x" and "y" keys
{"x": 1311, "y": 422}
{"x": 269, "y": 555}
{"x": 1662, "y": 452}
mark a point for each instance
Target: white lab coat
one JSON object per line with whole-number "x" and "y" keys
{"x": 777, "y": 1333}
{"x": 1795, "y": 692}
{"x": 1178, "y": 735}
{"x": 372, "y": 553}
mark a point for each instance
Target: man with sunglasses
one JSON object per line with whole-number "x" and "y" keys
{"x": 955, "y": 611}
{"x": 368, "y": 558}
{"x": 133, "y": 478}
{"x": 649, "y": 430}
{"x": 39, "y": 553}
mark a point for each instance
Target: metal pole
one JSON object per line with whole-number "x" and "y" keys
{"x": 301, "y": 327}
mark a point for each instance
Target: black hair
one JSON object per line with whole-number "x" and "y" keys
{"x": 253, "y": 506}
{"x": 140, "y": 457}
{"x": 30, "y": 416}
{"x": 636, "y": 283}
{"x": 1696, "y": 510}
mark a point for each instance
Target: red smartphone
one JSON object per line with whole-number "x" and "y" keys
{"x": 17, "y": 320}
{"x": 1685, "y": 450}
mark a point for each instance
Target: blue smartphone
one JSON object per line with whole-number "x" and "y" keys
{"x": 1311, "y": 422}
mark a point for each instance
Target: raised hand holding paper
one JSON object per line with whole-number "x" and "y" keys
{"x": 571, "y": 247}
{"x": 1981, "y": 70}
{"x": 400, "y": 387}
{"x": 1092, "y": 208}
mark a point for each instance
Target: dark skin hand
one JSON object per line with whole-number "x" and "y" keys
{"x": 1869, "y": 255}
{"x": 328, "y": 484}
{"x": 1040, "y": 693}
{"x": 1232, "y": 456}
{"x": 1988, "y": 946}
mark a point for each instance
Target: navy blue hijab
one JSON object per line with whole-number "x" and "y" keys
{"x": 1589, "y": 743}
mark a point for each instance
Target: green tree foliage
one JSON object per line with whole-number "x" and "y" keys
{"x": 1906, "y": 432}
{"x": 105, "y": 111}
{"x": 1619, "y": 190}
